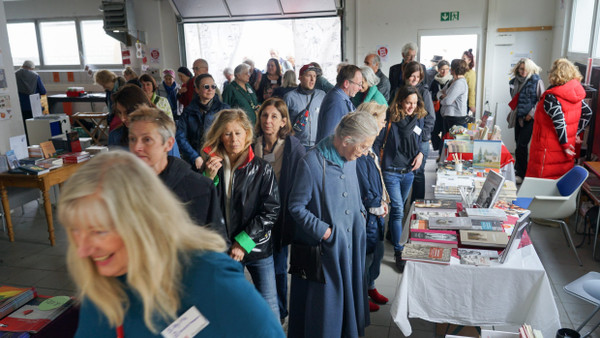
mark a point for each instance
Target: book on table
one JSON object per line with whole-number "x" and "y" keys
{"x": 479, "y": 224}
{"x": 435, "y": 205}
{"x": 490, "y": 191}
{"x": 36, "y": 314}
{"x": 33, "y": 169}
{"x": 494, "y": 239}
{"x": 419, "y": 224}
{"x": 449, "y": 223}
{"x": 442, "y": 238}
{"x": 12, "y": 298}
{"x": 424, "y": 253}
{"x": 48, "y": 149}
{"x": 486, "y": 214}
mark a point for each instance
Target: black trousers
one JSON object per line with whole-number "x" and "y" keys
{"x": 522, "y": 138}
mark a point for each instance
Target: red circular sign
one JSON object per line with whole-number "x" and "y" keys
{"x": 382, "y": 52}
{"x": 154, "y": 54}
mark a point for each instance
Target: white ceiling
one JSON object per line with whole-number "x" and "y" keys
{"x": 232, "y": 10}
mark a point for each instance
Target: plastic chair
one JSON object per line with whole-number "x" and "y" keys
{"x": 553, "y": 200}
{"x": 586, "y": 287}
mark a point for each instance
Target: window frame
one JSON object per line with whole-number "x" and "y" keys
{"x": 594, "y": 36}
{"x": 77, "y": 20}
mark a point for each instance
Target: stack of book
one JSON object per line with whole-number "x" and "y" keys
{"x": 77, "y": 157}
{"x": 96, "y": 149}
{"x": 424, "y": 253}
{"x": 49, "y": 163}
{"x": 35, "y": 151}
{"x": 12, "y": 298}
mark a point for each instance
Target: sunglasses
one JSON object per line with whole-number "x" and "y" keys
{"x": 207, "y": 86}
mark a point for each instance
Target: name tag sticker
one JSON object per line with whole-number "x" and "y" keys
{"x": 417, "y": 130}
{"x": 187, "y": 325}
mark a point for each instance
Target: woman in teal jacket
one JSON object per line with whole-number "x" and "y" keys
{"x": 369, "y": 91}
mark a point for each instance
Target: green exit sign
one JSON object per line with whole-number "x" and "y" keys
{"x": 449, "y": 16}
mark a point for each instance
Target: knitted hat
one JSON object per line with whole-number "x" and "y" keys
{"x": 308, "y": 67}
{"x": 184, "y": 70}
{"x": 169, "y": 72}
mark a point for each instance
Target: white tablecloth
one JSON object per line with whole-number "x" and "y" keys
{"x": 512, "y": 293}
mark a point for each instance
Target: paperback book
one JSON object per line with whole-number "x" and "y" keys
{"x": 33, "y": 169}
{"x": 449, "y": 223}
{"x": 486, "y": 214}
{"x": 418, "y": 224}
{"x": 37, "y": 313}
{"x": 435, "y": 205}
{"x": 12, "y": 298}
{"x": 494, "y": 239}
{"x": 490, "y": 191}
{"x": 448, "y": 239}
{"x": 422, "y": 253}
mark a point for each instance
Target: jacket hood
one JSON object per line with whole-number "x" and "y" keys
{"x": 571, "y": 91}
{"x": 175, "y": 171}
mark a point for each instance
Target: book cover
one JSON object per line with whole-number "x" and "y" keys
{"x": 12, "y": 298}
{"x": 48, "y": 149}
{"x": 449, "y": 223}
{"x": 488, "y": 195}
{"x": 478, "y": 252}
{"x": 418, "y": 224}
{"x": 486, "y": 214}
{"x": 422, "y": 253}
{"x": 495, "y": 239}
{"x": 479, "y": 224}
{"x": 37, "y": 313}
{"x": 34, "y": 169}
{"x": 434, "y": 236}
{"x": 487, "y": 154}
{"x": 3, "y": 163}
{"x": 425, "y": 215}
{"x": 13, "y": 161}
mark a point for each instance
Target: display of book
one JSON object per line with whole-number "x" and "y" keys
{"x": 447, "y": 239}
{"x": 12, "y": 298}
{"x": 33, "y": 169}
{"x": 494, "y": 239}
{"x": 422, "y": 253}
{"x": 36, "y": 314}
{"x": 490, "y": 191}
{"x": 486, "y": 214}
{"x": 478, "y": 224}
{"x": 449, "y": 223}
{"x": 435, "y": 204}
{"x": 487, "y": 154}
{"x": 48, "y": 149}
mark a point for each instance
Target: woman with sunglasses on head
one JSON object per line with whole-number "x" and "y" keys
{"x": 197, "y": 118}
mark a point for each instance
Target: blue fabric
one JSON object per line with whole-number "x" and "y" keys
{"x": 335, "y": 105}
{"x": 572, "y": 180}
{"x": 216, "y": 286}
{"x": 296, "y": 102}
{"x": 280, "y": 258}
{"x": 373, "y": 264}
{"x": 398, "y": 186}
{"x": 193, "y": 124}
{"x": 329, "y": 152}
{"x": 523, "y": 202}
{"x": 371, "y": 191}
{"x": 527, "y": 96}
{"x": 338, "y": 308}
{"x": 262, "y": 271}
{"x": 171, "y": 96}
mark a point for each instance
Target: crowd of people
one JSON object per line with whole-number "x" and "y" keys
{"x": 271, "y": 172}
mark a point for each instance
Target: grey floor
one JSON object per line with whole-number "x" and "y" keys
{"x": 30, "y": 260}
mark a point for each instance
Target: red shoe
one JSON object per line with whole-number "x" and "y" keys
{"x": 373, "y": 307}
{"x": 377, "y": 297}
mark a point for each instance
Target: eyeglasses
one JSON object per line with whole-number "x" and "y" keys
{"x": 358, "y": 84}
{"x": 207, "y": 86}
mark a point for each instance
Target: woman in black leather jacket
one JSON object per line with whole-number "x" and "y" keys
{"x": 249, "y": 197}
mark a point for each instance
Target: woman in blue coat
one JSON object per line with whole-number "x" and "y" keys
{"x": 334, "y": 220}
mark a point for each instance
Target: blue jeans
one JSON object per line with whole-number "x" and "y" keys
{"x": 263, "y": 276}
{"x": 398, "y": 186}
{"x": 373, "y": 263}
{"x": 419, "y": 182}
{"x": 281, "y": 267}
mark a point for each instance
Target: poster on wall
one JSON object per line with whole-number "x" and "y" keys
{"x": 5, "y": 107}
{"x": 516, "y": 56}
{"x": 383, "y": 51}
{"x": 154, "y": 55}
{"x": 3, "y": 84}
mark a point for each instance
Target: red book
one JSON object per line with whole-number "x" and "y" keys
{"x": 442, "y": 238}
{"x": 30, "y": 318}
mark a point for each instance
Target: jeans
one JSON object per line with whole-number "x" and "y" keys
{"x": 281, "y": 267}
{"x": 263, "y": 276}
{"x": 373, "y": 264}
{"x": 418, "y": 192}
{"x": 522, "y": 138}
{"x": 398, "y": 187}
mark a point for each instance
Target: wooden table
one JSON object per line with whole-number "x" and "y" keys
{"x": 594, "y": 168}
{"x": 97, "y": 131}
{"x": 42, "y": 182}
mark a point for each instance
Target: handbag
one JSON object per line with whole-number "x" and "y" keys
{"x": 306, "y": 260}
{"x": 387, "y": 132}
{"x": 302, "y": 118}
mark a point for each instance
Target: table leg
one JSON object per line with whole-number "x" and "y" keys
{"x": 48, "y": 209}
{"x": 11, "y": 234}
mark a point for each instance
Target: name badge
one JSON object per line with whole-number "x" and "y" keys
{"x": 273, "y": 81}
{"x": 417, "y": 130}
{"x": 187, "y": 325}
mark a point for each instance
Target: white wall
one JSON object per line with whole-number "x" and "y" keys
{"x": 14, "y": 126}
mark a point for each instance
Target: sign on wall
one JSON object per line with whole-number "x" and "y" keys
{"x": 449, "y": 16}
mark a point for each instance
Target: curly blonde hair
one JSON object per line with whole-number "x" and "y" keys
{"x": 563, "y": 71}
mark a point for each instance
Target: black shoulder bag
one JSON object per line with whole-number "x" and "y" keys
{"x": 306, "y": 260}
{"x": 302, "y": 117}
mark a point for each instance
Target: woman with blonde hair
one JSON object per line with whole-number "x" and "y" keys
{"x": 375, "y": 200}
{"x": 111, "y": 84}
{"x": 135, "y": 275}
{"x": 131, "y": 76}
{"x": 560, "y": 117}
{"x": 249, "y": 197}
{"x": 276, "y": 145}
{"x": 289, "y": 83}
{"x": 400, "y": 144}
{"x": 526, "y": 88}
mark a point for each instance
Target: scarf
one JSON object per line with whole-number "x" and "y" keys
{"x": 518, "y": 84}
{"x": 205, "y": 107}
{"x": 169, "y": 89}
{"x": 305, "y": 91}
{"x": 443, "y": 80}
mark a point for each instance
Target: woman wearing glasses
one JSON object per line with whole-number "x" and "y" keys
{"x": 197, "y": 117}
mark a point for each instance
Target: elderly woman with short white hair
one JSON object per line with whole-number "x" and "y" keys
{"x": 369, "y": 91}
{"x": 330, "y": 299}
{"x": 239, "y": 94}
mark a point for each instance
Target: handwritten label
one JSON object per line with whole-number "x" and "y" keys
{"x": 187, "y": 325}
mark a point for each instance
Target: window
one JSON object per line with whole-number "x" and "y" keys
{"x": 23, "y": 42}
{"x": 582, "y": 20}
{"x": 98, "y": 47}
{"x": 59, "y": 43}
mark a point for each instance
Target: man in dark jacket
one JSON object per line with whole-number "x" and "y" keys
{"x": 28, "y": 83}
{"x": 409, "y": 53}
{"x": 151, "y": 136}
{"x": 374, "y": 61}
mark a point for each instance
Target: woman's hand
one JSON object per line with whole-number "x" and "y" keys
{"x": 570, "y": 151}
{"x": 327, "y": 234}
{"x": 198, "y": 162}
{"x": 237, "y": 252}
{"x": 212, "y": 166}
{"x": 182, "y": 90}
{"x": 416, "y": 163}
{"x": 528, "y": 118}
{"x": 385, "y": 208}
